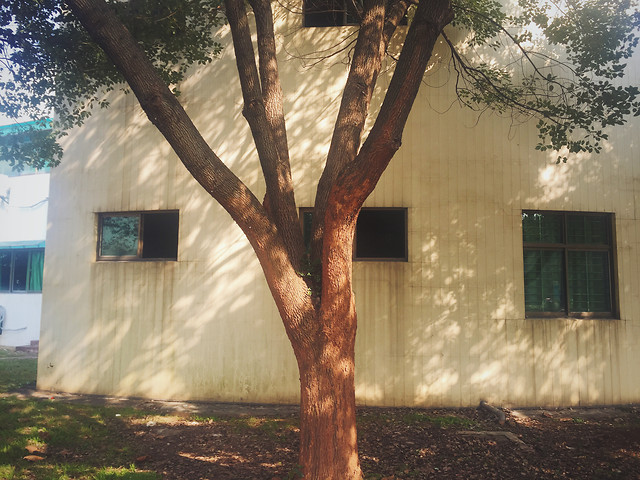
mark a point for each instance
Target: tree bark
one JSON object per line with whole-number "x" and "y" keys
{"x": 328, "y": 438}
{"x": 354, "y": 108}
{"x": 358, "y": 179}
{"x": 263, "y": 110}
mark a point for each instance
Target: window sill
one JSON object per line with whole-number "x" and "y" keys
{"x": 19, "y": 292}
{"x": 133, "y": 260}
{"x": 573, "y": 316}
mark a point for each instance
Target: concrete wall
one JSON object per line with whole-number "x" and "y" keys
{"x": 22, "y": 319}
{"x": 445, "y": 328}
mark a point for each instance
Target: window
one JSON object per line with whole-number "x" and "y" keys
{"x": 568, "y": 264}
{"x": 331, "y": 13}
{"x": 334, "y": 13}
{"x": 21, "y": 270}
{"x": 138, "y": 236}
{"x": 381, "y": 233}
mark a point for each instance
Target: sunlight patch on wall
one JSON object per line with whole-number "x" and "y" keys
{"x": 438, "y": 383}
{"x": 554, "y": 181}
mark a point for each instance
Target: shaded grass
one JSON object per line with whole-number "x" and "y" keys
{"x": 444, "y": 421}
{"x": 414, "y": 418}
{"x": 16, "y": 371}
{"x": 73, "y": 442}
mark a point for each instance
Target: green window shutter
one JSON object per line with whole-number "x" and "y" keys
{"x": 543, "y": 281}
{"x": 587, "y": 230}
{"x": 542, "y": 227}
{"x": 589, "y": 282}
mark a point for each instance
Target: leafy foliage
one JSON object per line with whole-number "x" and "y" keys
{"x": 558, "y": 61}
{"x": 48, "y": 62}
{"x": 32, "y": 140}
{"x": 561, "y": 63}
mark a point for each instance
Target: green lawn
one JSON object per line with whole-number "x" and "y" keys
{"x": 72, "y": 441}
{"x": 16, "y": 371}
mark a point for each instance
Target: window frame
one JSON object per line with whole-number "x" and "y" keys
{"x": 12, "y": 268}
{"x": 565, "y": 247}
{"x": 138, "y": 257}
{"x": 350, "y": 12}
{"x": 355, "y": 257}
{"x": 344, "y": 12}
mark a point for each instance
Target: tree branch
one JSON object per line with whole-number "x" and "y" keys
{"x": 264, "y": 112}
{"x": 498, "y": 91}
{"x": 357, "y": 179}
{"x": 386, "y": 134}
{"x": 269, "y": 75}
{"x": 356, "y": 98}
{"x": 396, "y": 10}
{"x": 166, "y": 113}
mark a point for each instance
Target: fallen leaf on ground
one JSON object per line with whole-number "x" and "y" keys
{"x": 33, "y": 458}
{"x": 34, "y": 449}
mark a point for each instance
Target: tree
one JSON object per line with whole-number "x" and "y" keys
{"x": 574, "y": 96}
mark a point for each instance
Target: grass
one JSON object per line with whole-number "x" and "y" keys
{"x": 417, "y": 418}
{"x": 16, "y": 371}
{"x": 74, "y": 441}
{"x": 86, "y": 440}
{"x": 272, "y": 428}
{"x": 439, "y": 421}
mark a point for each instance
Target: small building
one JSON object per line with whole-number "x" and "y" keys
{"x": 482, "y": 269}
{"x": 24, "y": 198}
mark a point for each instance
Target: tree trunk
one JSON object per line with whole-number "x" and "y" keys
{"x": 328, "y": 440}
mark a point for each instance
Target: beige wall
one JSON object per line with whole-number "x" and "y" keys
{"x": 445, "y": 328}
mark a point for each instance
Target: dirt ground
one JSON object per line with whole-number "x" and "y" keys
{"x": 408, "y": 443}
{"x": 198, "y": 441}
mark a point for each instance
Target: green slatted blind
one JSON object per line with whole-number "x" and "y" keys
{"x": 568, "y": 263}
{"x": 543, "y": 281}
{"x": 589, "y": 282}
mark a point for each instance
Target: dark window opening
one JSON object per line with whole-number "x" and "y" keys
{"x": 160, "y": 235}
{"x": 21, "y": 270}
{"x": 568, "y": 264}
{"x": 331, "y": 13}
{"x": 139, "y": 235}
{"x": 334, "y": 13}
{"x": 381, "y": 233}
{"x": 307, "y": 224}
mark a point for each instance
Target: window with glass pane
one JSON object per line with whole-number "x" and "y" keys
{"x": 332, "y": 13}
{"x": 307, "y": 224}
{"x": 21, "y": 270}
{"x": 381, "y": 233}
{"x": 5, "y": 270}
{"x": 138, "y": 236}
{"x": 543, "y": 281}
{"x": 120, "y": 234}
{"x": 568, "y": 266}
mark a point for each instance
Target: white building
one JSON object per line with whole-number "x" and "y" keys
{"x": 24, "y": 197}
